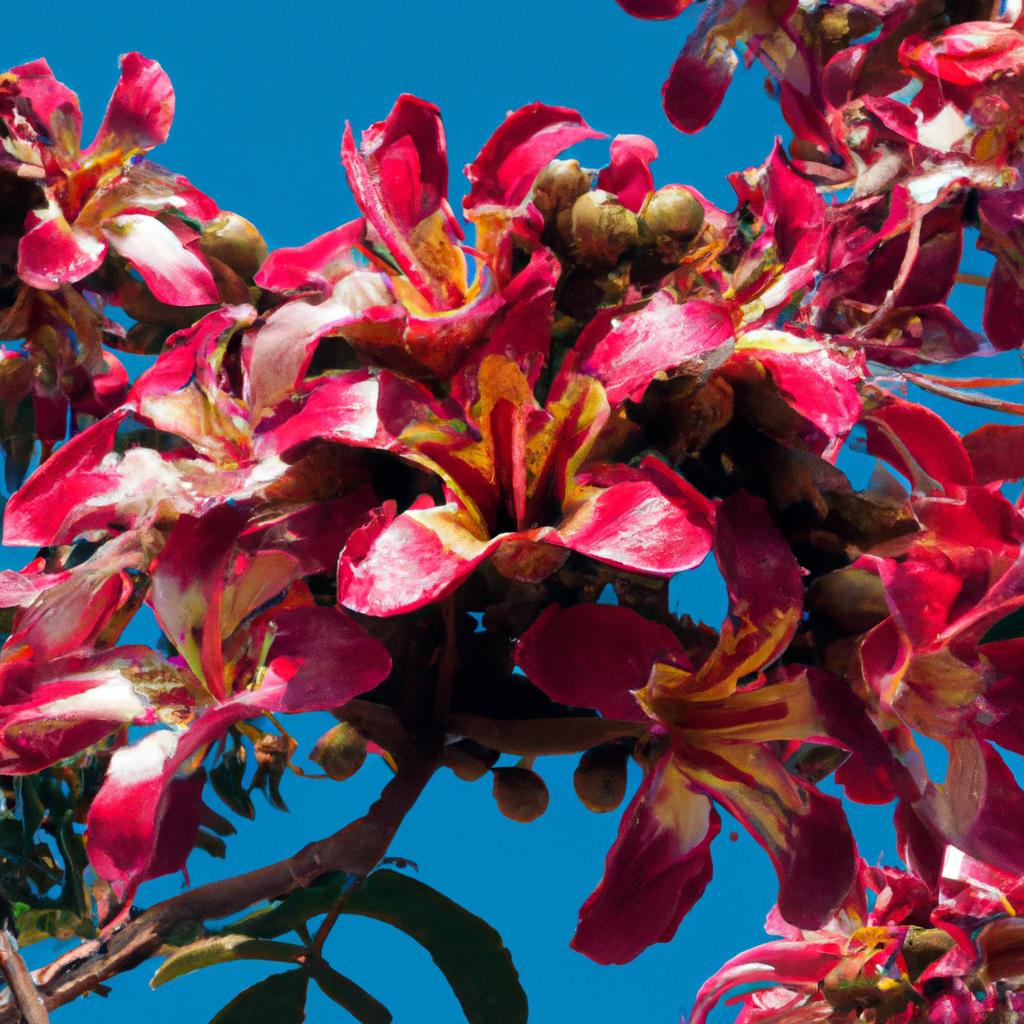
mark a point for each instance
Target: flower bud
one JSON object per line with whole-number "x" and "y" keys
{"x": 600, "y": 777}
{"x": 559, "y": 185}
{"x": 341, "y": 752}
{"x": 235, "y": 242}
{"x": 602, "y": 228}
{"x": 468, "y": 759}
{"x": 672, "y": 212}
{"x": 273, "y": 754}
{"x": 520, "y": 793}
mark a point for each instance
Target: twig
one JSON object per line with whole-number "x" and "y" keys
{"x": 355, "y": 849}
{"x": 26, "y": 997}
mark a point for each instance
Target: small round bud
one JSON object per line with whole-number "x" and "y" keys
{"x": 672, "y": 212}
{"x": 602, "y": 228}
{"x": 559, "y": 185}
{"x": 600, "y": 778}
{"x": 341, "y": 752}
{"x": 520, "y": 793}
{"x": 235, "y": 242}
{"x": 468, "y": 759}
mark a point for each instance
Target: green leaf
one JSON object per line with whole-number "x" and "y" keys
{"x": 294, "y": 910}
{"x": 279, "y": 999}
{"x": 223, "y": 949}
{"x": 1009, "y": 628}
{"x": 468, "y": 951}
{"x": 348, "y": 995}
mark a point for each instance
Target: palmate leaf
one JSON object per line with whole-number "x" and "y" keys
{"x": 348, "y": 995}
{"x": 468, "y": 951}
{"x": 279, "y": 999}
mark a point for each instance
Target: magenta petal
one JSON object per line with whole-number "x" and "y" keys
{"x": 592, "y": 655}
{"x": 174, "y": 273}
{"x": 53, "y": 504}
{"x": 647, "y": 520}
{"x": 35, "y": 81}
{"x": 342, "y": 409}
{"x": 629, "y": 176}
{"x": 524, "y": 143}
{"x": 655, "y": 10}
{"x": 697, "y": 83}
{"x": 315, "y": 266}
{"x": 626, "y": 355}
{"x": 656, "y": 870}
{"x": 53, "y": 253}
{"x": 777, "y": 963}
{"x": 1004, "y": 308}
{"x": 141, "y": 110}
{"x": 396, "y": 565}
{"x": 996, "y": 451}
{"x": 320, "y": 659}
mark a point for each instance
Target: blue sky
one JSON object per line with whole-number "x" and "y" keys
{"x": 263, "y": 92}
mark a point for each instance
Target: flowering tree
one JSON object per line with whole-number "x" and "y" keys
{"x": 442, "y": 490}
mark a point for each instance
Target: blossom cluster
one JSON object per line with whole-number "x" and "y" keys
{"x": 389, "y": 448}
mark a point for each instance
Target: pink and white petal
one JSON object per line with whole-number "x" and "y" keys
{"x": 315, "y": 266}
{"x": 654, "y": 523}
{"x": 527, "y": 140}
{"x": 277, "y": 355}
{"x": 627, "y": 354}
{"x": 655, "y": 872}
{"x": 140, "y": 111}
{"x": 174, "y": 273}
{"x": 340, "y": 409}
{"x": 64, "y": 717}
{"x": 320, "y": 659}
{"x": 790, "y": 962}
{"x": 52, "y": 253}
{"x": 400, "y": 563}
{"x": 187, "y": 588}
{"x": 61, "y": 498}
{"x": 629, "y": 176}
{"x": 593, "y": 655}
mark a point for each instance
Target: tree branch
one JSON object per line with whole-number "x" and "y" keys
{"x": 27, "y": 1001}
{"x": 355, "y": 849}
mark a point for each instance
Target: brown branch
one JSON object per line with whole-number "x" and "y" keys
{"x": 27, "y": 1002}
{"x": 355, "y": 849}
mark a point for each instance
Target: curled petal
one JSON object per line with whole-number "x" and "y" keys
{"x": 315, "y": 266}
{"x": 968, "y": 54}
{"x": 629, "y": 176}
{"x": 658, "y": 867}
{"x": 526, "y": 141}
{"x": 48, "y": 98}
{"x": 593, "y": 655}
{"x": 776, "y": 963}
{"x": 52, "y": 253}
{"x": 174, "y": 273}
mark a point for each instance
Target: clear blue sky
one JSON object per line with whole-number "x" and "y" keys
{"x": 263, "y": 92}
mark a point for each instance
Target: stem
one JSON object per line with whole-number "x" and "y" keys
{"x": 27, "y": 1000}
{"x": 355, "y": 849}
